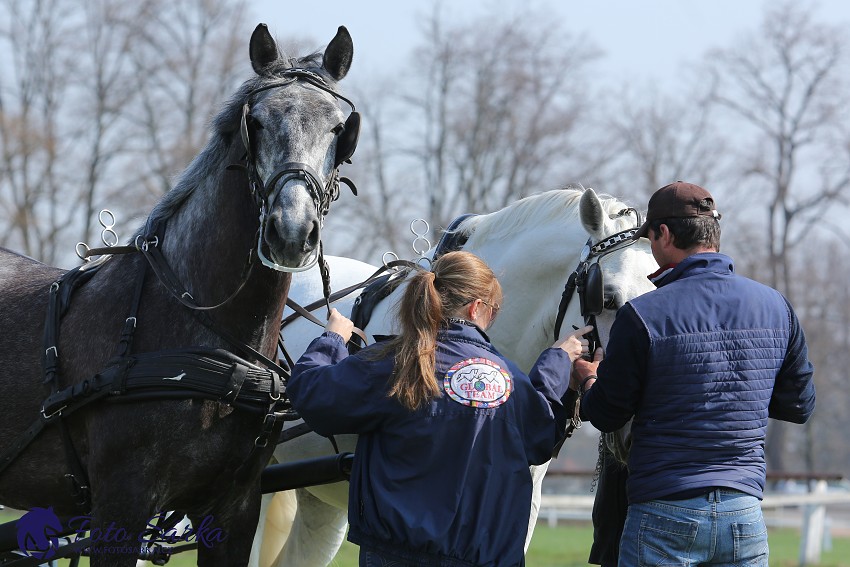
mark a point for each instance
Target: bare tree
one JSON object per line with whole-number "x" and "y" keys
{"x": 784, "y": 93}
{"x": 823, "y": 305}
{"x": 105, "y": 90}
{"x": 36, "y": 64}
{"x": 785, "y": 85}
{"x": 656, "y": 139}
{"x": 375, "y": 221}
{"x": 187, "y": 57}
{"x": 102, "y": 102}
{"x": 500, "y": 110}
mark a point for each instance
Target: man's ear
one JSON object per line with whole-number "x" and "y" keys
{"x": 665, "y": 234}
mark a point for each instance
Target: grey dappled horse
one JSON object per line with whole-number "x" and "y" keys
{"x": 285, "y": 127}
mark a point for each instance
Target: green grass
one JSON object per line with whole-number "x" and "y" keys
{"x": 568, "y": 546}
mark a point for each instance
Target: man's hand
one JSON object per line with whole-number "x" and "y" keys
{"x": 583, "y": 368}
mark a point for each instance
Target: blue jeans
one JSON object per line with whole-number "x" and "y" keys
{"x": 723, "y": 527}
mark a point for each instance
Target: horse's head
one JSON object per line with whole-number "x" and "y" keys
{"x": 623, "y": 263}
{"x": 296, "y": 136}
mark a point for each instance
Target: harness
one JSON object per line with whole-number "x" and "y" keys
{"x": 194, "y": 372}
{"x": 587, "y": 280}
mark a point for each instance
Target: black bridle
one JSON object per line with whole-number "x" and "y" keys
{"x": 323, "y": 194}
{"x": 586, "y": 280}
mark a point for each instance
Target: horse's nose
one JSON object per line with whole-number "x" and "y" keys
{"x": 290, "y": 245}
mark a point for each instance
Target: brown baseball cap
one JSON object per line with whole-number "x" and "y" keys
{"x": 677, "y": 200}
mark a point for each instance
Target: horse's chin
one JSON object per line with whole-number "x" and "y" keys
{"x": 292, "y": 262}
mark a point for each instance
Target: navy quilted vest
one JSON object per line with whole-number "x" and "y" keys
{"x": 717, "y": 342}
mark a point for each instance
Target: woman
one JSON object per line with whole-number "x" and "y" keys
{"x": 447, "y": 425}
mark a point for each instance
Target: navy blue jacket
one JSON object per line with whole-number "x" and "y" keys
{"x": 701, "y": 363}
{"x": 448, "y": 484}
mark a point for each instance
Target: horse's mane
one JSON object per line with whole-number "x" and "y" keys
{"x": 224, "y": 128}
{"x": 557, "y": 204}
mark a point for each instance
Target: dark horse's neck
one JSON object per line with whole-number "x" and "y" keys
{"x": 207, "y": 235}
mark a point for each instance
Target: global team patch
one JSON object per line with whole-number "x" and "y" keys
{"x": 478, "y": 382}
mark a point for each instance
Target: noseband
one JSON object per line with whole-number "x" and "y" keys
{"x": 586, "y": 280}
{"x": 323, "y": 194}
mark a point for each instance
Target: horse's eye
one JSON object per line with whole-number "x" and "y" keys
{"x": 338, "y": 129}
{"x": 255, "y": 124}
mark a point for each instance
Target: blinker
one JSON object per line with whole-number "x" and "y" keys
{"x": 593, "y": 297}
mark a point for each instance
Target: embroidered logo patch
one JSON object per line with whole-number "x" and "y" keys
{"x": 478, "y": 382}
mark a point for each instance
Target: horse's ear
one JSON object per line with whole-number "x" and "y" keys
{"x": 263, "y": 49}
{"x": 337, "y": 58}
{"x": 591, "y": 213}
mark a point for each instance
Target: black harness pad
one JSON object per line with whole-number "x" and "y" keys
{"x": 372, "y": 294}
{"x": 451, "y": 239}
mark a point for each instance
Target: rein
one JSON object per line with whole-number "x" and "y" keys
{"x": 305, "y": 310}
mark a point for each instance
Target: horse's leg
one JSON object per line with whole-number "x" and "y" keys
{"x": 276, "y": 516}
{"x": 317, "y": 533}
{"x": 118, "y": 518}
{"x": 260, "y": 534}
{"x": 230, "y": 528}
{"x": 610, "y": 505}
{"x": 537, "y": 474}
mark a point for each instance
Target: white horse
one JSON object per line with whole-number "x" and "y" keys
{"x": 532, "y": 245}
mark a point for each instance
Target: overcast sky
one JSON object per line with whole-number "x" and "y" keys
{"x": 643, "y": 40}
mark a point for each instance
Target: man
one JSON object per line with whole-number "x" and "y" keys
{"x": 700, "y": 364}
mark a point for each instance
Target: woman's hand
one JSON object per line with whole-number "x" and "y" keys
{"x": 339, "y": 324}
{"x": 573, "y": 344}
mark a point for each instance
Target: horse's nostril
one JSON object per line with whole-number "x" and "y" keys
{"x": 613, "y": 301}
{"x": 313, "y": 237}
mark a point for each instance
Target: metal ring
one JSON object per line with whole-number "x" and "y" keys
{"x": 113, "y": 237}
{"x": 106, "y": 213}
{"x": 423, "y": 221}
{"x": 420, "y": 240}
{"x": 386, "y": 262}
{"x": 82, "y": 255}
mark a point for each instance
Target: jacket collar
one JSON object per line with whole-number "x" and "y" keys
{"x": 463, "y": 329}
{"x": 695, "y": 264}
